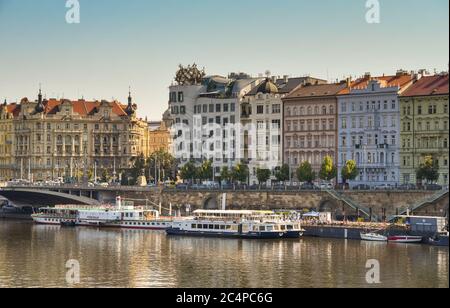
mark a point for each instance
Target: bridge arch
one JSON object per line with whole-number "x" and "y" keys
{"x": 40, "y": 198}
{"x": 210, "y": 203}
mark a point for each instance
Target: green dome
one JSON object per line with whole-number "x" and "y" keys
{"x": 267, "y": 87}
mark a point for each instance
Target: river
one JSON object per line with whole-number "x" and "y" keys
{"x": 36, "y": 256}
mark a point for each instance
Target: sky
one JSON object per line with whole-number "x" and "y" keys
{"x": 140, "y": 43}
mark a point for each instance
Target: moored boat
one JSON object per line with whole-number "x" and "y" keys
{"x": 405, "y": 239}
{"x": 236, "y": 224}
{"x": 373, "y": 237}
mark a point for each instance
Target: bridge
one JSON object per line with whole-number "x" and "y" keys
{"x": 40, "y": 197}
{"x": 372, "y": 205}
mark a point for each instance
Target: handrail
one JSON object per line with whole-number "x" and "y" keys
{"x": 352, "y": 204}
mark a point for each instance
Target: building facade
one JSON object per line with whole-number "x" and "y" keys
{"x": 157, "y": 138}
{"x": 203, "y": 114}
{"x": 369, "y": 128}
{"x": 262, "y": 114}
{"x": 54, "y": 139}
{"x": 6, "y": 141}
{"x": 425, "y": 127}
{"x": 310, "y": 124}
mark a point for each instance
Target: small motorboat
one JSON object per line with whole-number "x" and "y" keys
{"x": 408, "y": 239}
{"x": 440, "y": 240}
{"x": 373, "y": 237}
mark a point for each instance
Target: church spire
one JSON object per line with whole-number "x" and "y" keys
{"x": 130, "y": 108}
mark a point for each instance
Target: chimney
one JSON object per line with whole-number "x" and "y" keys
{"x": 367, "y": 75}
{"x": 286, "y": 78}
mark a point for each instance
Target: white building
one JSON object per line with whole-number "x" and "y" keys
{"x": 369, "y": 128}
{"x": 202, "y": 115}
{"x": 262, "y": 111}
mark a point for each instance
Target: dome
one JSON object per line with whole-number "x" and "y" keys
{"x": 267, "y": 87}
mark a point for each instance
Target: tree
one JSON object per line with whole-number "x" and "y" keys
{"x": 105, "y": 176}
{"x": 240, "y": 173}
{"x": 188, "y": 172}
{"x": 205, "y": 171}
{"x": 263, "y": 175}
{"x": 225, "y": 174}
{"x": 328, "y": 171}
{"x": 428, "y": 170}
{"x": 305, "y": 173}
{"x": 163, "y": 163}
{"x": 139, "y": 164}
{"x": 283, "y": 174}
{"x": 349, "y": 171}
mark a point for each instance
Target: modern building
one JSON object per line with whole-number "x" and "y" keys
{"x": 425, "y": 127}
{"x": 61, "y": 138}
{"x": 203, "y": 112}
{"x": 310, "y": 124}
{"x": 369, "y": 127}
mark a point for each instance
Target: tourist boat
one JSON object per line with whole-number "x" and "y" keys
{"x": 405, "y": 239}
{"x": 373, "y": 237}
{"x": 236, "y": 224}
{"x": 118, "y": 216}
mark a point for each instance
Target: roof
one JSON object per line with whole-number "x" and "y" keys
{"x": 287, "y": 85}
{"x": 83, "y": 107}
{"x": 429, "y": 85}
{"x": 317, "y": 90}
{"x": 400, "y": 80}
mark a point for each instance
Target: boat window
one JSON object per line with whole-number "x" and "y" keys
{"x": 262, "y": 228}
{"x": 205, "y": 226}
{"x": 222, "y": 227}
{"x": 270, "y": 228}
{"x": 290, "y": 227}
{"x": 211, "y": 226}
{"x": 216, "y": 227}
{"x": 199, "y": 226}
{"x": 194, "y": 226}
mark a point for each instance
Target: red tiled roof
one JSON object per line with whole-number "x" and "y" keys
{"x": 401, "y": 80}
{"x": 429, "y": 85}
{"x": 83, "y": 107}
{"x": 14, "y": 109}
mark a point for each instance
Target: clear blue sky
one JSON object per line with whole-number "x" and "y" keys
{"x": 141, "y": 42}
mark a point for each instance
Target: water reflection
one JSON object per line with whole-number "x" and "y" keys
{"x": 34, "y": 256}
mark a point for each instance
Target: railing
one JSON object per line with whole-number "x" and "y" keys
{"x": 420, "y": 204}
{"x": 352, "y": 204}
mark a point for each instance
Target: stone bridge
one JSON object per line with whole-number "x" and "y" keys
{"x": 380, "y": 204}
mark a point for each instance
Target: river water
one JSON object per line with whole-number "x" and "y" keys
{"x": 36, "y": 256}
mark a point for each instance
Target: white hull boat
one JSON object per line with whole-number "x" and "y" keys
{"x": 373, "y": 237}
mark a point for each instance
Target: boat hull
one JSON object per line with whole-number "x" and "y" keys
{"x": 373, "y": 238}
{"x": 406, "y": 239}
{"x": 250, "y": 235}
{"x": 157, "y": 226}
{"x": 293, "y": 234}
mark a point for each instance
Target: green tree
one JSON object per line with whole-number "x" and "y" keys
{"x": 428, "y": 170}
{"x": 240, "y": 173}
{"x": 225, "y": 174}
{"x": 349, "y": 171}
{"x": 163, "y": 163}
{"x": 263, "y": 175}
{"x": 139, "y": 164}
{"x": 188, "y": 172}
{"x": 205, "y": 171}
{"x": 105, "y": 176}
{"x": 282, "y": 174}
{"x": 305, "y": 173}
{"x": 328, "y": 171}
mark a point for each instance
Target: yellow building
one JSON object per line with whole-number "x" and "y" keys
{"x": 6, "y": 141}
{"x": 425, "y": 127}
{"x": 50, "y": 139}
{"x": 158, "y": 138}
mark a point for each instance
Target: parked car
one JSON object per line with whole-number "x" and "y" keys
{"x": 182, "y": 186}
{"x": 384, "y": 187}
{"x": 407, "y": 187}
{"x": 307, "y": 186}
{"x": 433, "y": 187}
{"x": 362, "y": 187}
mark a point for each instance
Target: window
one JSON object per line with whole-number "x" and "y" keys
{"x": 211, "y": 108}
{"x": 180, "y": 97}
{"x": 218, "y": 108}
{"x": 344, "y": 123}
{"x": 232, "y": 107}
{"x": 260, "y": 109}
{"x": 276, "y": 108}
{"x": 225, "y": 107}
{"x": 182, "y": 109}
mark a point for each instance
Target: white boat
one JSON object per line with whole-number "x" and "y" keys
{"x": 127, "y": 217}
{"x": 236, "y": 224}
{"x": 373, "y": 237}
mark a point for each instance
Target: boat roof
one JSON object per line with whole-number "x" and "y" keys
{"x": 232, "y": 212}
